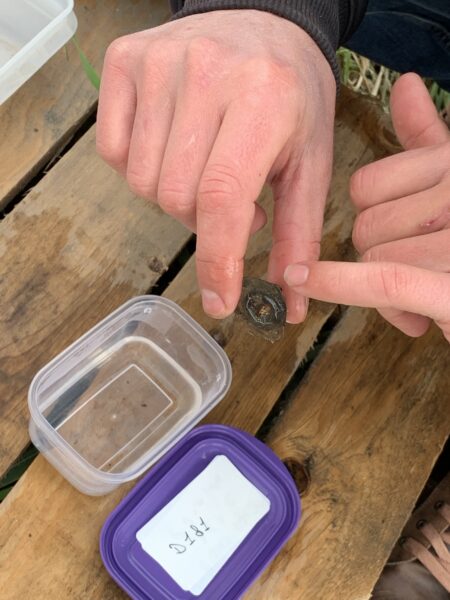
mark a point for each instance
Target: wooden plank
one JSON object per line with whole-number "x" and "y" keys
{"x": 41, "y": 117}
{"x": 79, "y": 227}
{"x": 48, "y": 527}
{"x": 74, "y": 249}
{"x": 369, "y": 422}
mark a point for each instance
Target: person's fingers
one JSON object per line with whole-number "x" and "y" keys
{"x": 377, "y": 285}
{"x": 414, "y": 116}
{"x": 154, "y": 113}
{"x": 410, "y": 323}
{"x": 420, "y": 130}
{"x": 195, "y": 126}
{"x": 428, "y": 252}
{"x": 297, "y": 225}
{"x": 415, "y": 215}
{"x": 408, "y": 176}
{"x": 399, "y": 175}
{"x": 117, "y": 105}
{"x": 246, "y": 147}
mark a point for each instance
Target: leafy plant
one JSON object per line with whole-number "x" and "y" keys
{"x": 91, "y": 73}
{"x": 364, "y": 76}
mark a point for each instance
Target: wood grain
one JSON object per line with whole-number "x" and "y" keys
{"x": 48, "y": 527}
{"x": 80, "y": 244}
{"x": 75, "y": 248}
{"x": 368, "y": 424}
{"x": 40, "y": 118}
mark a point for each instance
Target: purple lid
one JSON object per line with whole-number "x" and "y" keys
{"x": 213, "y": 513}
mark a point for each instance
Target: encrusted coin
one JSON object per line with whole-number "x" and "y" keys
{"x": 263, "y": 308}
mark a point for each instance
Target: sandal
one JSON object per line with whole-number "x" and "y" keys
{"x": 419, "y": 565}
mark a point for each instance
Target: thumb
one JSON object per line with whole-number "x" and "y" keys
{"x": 414, "y": 116}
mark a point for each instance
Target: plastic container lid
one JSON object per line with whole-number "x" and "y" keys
{"x": 115, "y": 401}
{"x": 31, "y": 31}
{"x": 205, "y": 522}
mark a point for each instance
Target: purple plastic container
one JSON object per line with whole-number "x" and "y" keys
{"x": 143, "y": 578}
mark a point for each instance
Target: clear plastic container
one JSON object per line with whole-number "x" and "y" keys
{"x": 31, "y": 31}
{"x": 115, "y": 401}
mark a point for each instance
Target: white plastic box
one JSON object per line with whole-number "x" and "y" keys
{"x": 31, "y": 31}
{"x": 105, "y": 409}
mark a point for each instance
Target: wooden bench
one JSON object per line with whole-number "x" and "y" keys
{"x": 358, "y": 411}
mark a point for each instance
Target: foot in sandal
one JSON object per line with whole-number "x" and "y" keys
{"x": 419, "y": 566}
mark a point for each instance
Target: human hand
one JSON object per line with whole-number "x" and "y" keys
{"x": 199, "y": 113}
{"x": 403, "y": 226}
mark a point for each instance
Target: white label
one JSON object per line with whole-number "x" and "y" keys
{"x": 195, "y": 534}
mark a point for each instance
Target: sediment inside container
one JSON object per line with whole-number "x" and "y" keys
{"x": 129, "y": 399}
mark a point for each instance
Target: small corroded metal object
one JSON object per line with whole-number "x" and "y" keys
{"x": 263, "y": 308}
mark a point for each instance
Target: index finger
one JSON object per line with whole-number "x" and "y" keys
{"x": 376, "y": 285}
{"x": 246, "y": 147}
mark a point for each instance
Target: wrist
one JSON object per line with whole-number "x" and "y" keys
{"x": 319, "y": 19}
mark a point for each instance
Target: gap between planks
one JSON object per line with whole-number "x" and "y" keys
{"x": 57, "y": 153}
{"x": 40, "y": 118}
{"x": 167, "y": 274}
{"x": 80, "y": 244}
{"x": 367, "y": 424}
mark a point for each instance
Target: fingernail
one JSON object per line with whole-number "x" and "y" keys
{"x": 296, "y": 275}
{"x": 212, "y": 303}
{"x": 297, "y": 314}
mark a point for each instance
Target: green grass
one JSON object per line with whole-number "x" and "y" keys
{"x": 366, "y": 77}
{"x": 91, "y": 73}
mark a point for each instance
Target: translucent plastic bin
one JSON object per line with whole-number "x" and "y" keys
{"x": 31, "y": 31}
{"x": 115, "y": 401}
